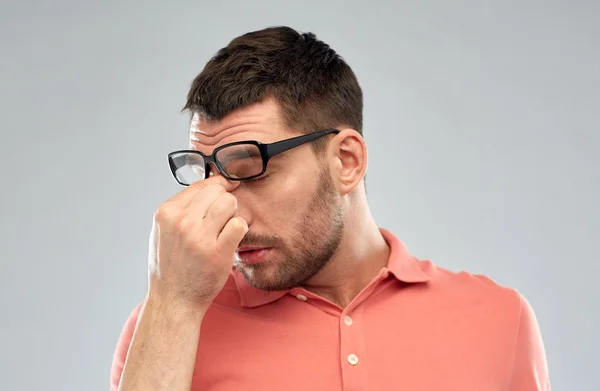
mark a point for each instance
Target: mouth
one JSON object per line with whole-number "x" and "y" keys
{"x": 249, "y": 248}
{"x": 252, "y": 255}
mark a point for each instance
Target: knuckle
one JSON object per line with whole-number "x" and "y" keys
{"x": 228, "y": 200}
{"x": 166, "y": 213}
{"x": 225, "y": 203}
{"x": 182, "y": 223}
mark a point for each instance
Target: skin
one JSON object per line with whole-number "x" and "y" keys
{"x": 194, "y": 236}
{"x": 310, "y": 210}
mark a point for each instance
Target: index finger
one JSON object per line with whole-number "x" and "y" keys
{"x": 184, "y": 197}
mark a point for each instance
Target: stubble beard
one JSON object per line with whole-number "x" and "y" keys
{"x": 313, "y": 242}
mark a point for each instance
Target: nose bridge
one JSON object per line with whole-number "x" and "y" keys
{"x": 210, "y": 171}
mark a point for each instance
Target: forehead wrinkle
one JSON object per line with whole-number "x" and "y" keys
{"x": 254, "y": 119}
{"x": 213, "y": 139}
{"x": 221, "y": 131}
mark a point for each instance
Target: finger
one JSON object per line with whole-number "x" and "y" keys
{"x": 219, "y": 213}
{"x": 184, "y": 197}
{"x": 200, "y": 205}
{"x": 228, "y": 186}
{"x": 231, "y": 235}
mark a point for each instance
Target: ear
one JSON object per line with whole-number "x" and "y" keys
{"x": 348, "y": 152}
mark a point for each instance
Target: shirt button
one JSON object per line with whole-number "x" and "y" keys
{"x": 352, "y": 359}
{"x": 301, "y": 297}
{"x": 348, "y": 320}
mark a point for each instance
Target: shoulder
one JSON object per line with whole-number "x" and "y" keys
{"x": 490, "y": 307}
{"x": 495, "y": 315}
{"x": 476, "y": 291}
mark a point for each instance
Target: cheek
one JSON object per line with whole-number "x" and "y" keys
{"x": 292, "y": 196}
{"x": 285, "y": 198}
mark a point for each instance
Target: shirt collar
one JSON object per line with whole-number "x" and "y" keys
{"x": 401, "y": 264}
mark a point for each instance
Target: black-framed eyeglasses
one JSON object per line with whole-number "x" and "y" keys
{"x": 237, "y": 161}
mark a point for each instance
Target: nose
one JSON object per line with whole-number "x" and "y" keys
{"x": 243, "y": 203}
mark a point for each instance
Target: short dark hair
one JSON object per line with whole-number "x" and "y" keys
{"x": 313, "y": 85}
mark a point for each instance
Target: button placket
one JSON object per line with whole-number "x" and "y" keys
{"x": 353, "y": 357}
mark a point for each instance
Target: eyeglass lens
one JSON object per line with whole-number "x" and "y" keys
{"x": 238, "y": 161}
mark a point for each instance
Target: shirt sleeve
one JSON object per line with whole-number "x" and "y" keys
{"x": 120, "y": 353}
{"x": 530, "y": 369}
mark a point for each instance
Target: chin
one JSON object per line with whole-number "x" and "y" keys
{"x": 263, "y": 277}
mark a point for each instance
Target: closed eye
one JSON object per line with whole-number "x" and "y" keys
{"x": 259, "y": 179}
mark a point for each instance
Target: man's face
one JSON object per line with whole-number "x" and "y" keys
{"x": 294, "y": 212}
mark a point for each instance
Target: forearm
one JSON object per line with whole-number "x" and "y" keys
{"x": 163, "y": 350}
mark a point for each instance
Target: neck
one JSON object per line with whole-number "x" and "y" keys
{"x": 360, "y": 256}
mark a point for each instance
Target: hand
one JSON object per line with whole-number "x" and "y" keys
{"x": 193, "y": 241}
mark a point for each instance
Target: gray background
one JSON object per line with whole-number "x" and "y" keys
{"x": 481, "y": 119}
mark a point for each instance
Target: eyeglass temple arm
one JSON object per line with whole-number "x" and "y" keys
{"x": 284, "y": 145}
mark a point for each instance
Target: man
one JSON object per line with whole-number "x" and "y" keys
{"x": 268, "y": 272}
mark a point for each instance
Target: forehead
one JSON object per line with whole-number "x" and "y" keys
{"x": 261, "y": 122}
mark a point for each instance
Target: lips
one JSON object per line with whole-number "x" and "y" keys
{"x": 249, "y": 248}
{"x": 252, "y": 255}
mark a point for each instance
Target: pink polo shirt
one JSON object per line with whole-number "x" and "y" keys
{"x": 416, "y": 326}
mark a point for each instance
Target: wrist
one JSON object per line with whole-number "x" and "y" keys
{"x": 170, "y": 307}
